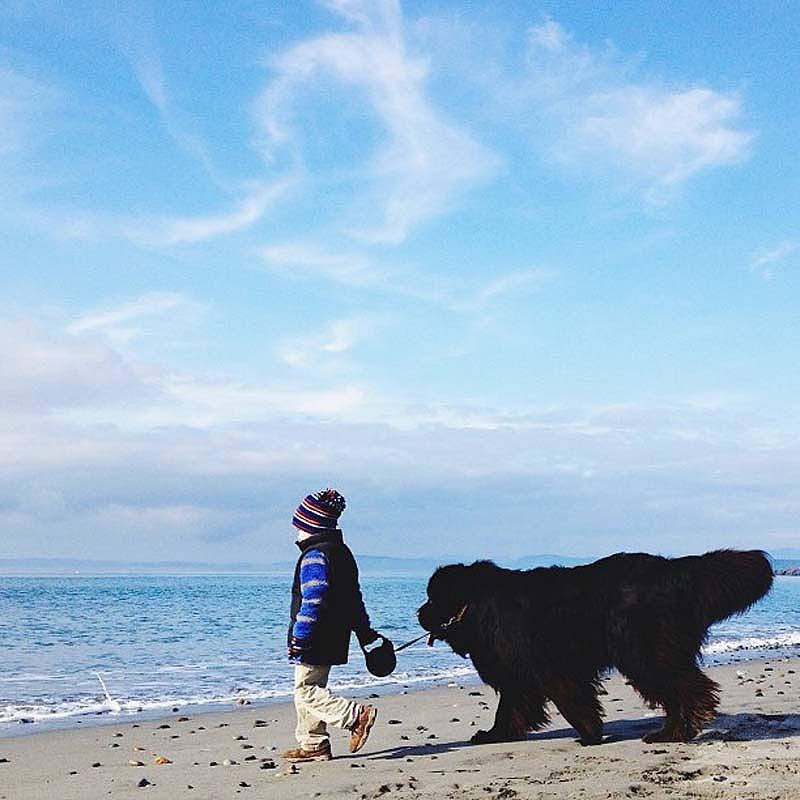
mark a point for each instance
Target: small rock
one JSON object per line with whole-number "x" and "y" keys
{"x": 293, "y": 770}
{"x": 476, "y": 694}
{"x": 239, "y": 738}
{"x": 118, "y": 735}
{"x": 97, "y": 764}
{"x": 143, "y": 782}
{"x": 251, "y": 758}
{"x": 162, "y": 760}
{"x": 244, "y": 784}
{"x": 213, "y": 764}
{"x": 228, "y": 762}
{"x": 183, "y": 719}
{"x": 267, "y": 763}
{"x": 133, "y": 763}
{"x": 455, "y": 719}
{"x": 242, "y": 701}
{"x": 260, "y": 723}
{"x": 395, "y": 722}
{"x": 114, "y": 744}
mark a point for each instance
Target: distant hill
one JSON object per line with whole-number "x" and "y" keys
{"x": 79, "y": 566}
{"x": 368, "y": 565}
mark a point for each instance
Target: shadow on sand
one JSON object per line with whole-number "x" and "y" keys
{"x": 726, "y": 727}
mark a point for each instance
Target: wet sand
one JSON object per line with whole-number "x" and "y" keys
{"x": 420, "y": 748}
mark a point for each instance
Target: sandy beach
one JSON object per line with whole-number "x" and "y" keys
{"x": 419, "y": 748}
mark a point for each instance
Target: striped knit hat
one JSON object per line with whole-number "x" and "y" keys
{"x": 319, "y": 512}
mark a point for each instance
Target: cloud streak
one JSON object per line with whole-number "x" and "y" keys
{"x": 324, "y": 350}
{"x": 763, "y": 261}
{"x": 426, "y": 162}
{"x": 603, "y": 114}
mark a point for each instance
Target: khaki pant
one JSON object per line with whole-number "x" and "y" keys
{"x": 317, "y": 707}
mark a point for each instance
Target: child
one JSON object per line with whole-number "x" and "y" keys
{"x": 326, "y": 606}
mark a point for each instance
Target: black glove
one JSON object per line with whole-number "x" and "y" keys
{"x": 297, "y": 648}
{"x": 367, "y": 636}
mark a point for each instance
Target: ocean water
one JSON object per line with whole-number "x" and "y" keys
{"x": 81, "y": 650}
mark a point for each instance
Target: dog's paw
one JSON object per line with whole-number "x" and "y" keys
{"x": 484, "y": 737}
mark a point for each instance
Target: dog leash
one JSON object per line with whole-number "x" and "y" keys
{"x": 454, "y": 620}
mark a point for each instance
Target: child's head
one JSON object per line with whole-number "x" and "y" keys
{"x": 318, "y": 513}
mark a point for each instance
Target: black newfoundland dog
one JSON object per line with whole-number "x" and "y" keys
{"x": 551, "y": 633}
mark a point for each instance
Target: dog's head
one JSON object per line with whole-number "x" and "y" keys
{"x": 451, "y": 591}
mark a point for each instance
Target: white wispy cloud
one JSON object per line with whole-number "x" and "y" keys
{"x": 206, "y": 402}
{"x": 357, "y": 268}
{"x": 425, "y": 163}
{"x": 22, "y": 101}
{"x": 604, "y": 113}
{"x": 167, "y": 231}
{"x": 512, "y": 284}
{"x": 163, "y": 230}
{"x": 121, "y": 323}
{"x": 133, "y": 29}
{"x": 317, "y": 349}
{"x": 763, "y": 260}
{"x": 309, "y": 259}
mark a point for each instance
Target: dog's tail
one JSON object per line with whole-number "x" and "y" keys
{"x": 728, "y": 582}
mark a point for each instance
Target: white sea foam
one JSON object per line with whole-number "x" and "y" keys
{"x": 785, "y": 640}
{"x": 43, "y": 713}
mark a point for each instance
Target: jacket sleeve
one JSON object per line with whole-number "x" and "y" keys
{"x": 361, "y": 624}
{"x": 313, "y": 587}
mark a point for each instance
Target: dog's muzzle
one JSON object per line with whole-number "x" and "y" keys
{"x": 437, "y": 629}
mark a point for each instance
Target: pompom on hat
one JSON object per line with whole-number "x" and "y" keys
{"x": 319, "y": 512}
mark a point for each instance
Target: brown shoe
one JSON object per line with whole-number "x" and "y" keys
{"x": 297, "y": 754}
{"x": 360, "y": 731}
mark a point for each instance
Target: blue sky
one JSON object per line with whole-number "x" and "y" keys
{"x": 515, "y": 277}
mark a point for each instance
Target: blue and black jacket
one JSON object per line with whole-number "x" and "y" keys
{"x": 326, "y": 600}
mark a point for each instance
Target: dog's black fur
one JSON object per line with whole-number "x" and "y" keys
{"x": 551, "y": 633}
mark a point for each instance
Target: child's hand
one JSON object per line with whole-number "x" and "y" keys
{"x": 297, "y": 647}
{"x": 367, "y": 636}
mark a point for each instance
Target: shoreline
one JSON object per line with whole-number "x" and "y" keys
{"x": 166, "y": 710}
{"x": 419, "y": 748}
